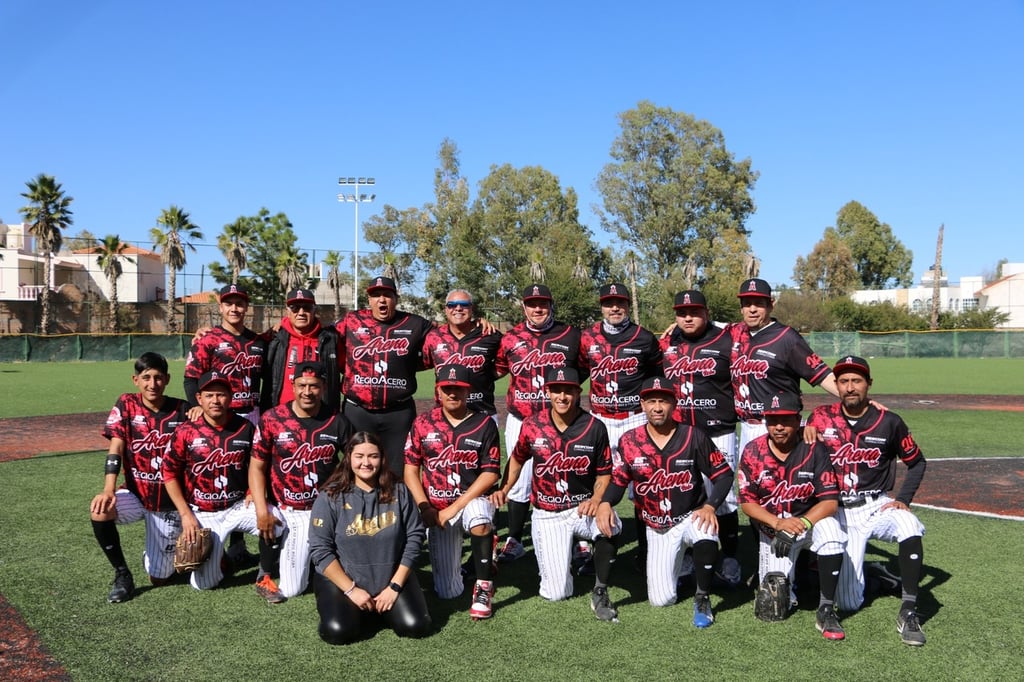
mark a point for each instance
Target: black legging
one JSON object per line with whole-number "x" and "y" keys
{"x": 341, "y": 621}
{"x": 392, "y": 426}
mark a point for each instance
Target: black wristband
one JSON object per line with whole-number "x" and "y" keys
{"x": 423, "y": 506}
{"x": 396, "y": 587}
{"x": 113, "y": 464}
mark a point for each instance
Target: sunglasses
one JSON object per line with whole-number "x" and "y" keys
{"x": 451, "y": 305}
{"x": 296, "y": 307}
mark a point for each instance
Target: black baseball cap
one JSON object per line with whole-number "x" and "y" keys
{"x": 691, "y": 298}
{"x": 311, "y": 368}
{"x": 210, "y": 378}
{"x": 381, "y": 283}
{"x": 537, "y": 291}
{"x": 784, "y": 402}
{"x": 851, "y": 363}
{"x": 564, "y": 376}
{"x": 452, "y": 375}
{"x": 755, "y": 287}
{"x": 614, "y": 290}
{"x": 233, "y": 290}
{"x": 300, "y": 295}
{"x": 657, "y": 385}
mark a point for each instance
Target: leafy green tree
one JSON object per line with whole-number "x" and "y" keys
{"x": 396, "y": 234}
{"x": 292, "y": 270}
{"x": 451, "y": 245}
{"x": 111, "y": 252}
{"x": 828, "y": 271}
{"x": 272, "y": 235}
{"x": 990, "y": 318}
{"x": 879, "y": 257}
{"x": 233, "y": 242}
{"x": 674, "y": 192}
{"x": 804, "y": 311}
{"x": 335, "y": 279}
{"x": 175, "y": 234}
{"x": 84, "y": 239}
{"x": 849, "y": 316}
{"x": 48, "y": 213}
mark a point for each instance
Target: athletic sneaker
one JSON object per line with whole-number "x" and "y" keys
{"x": 481, "y": 606}
{"x": 582, "y": 559}
{"x": 702, "y": 615}
{"x": 601, "y": 604}
{"x": 828, "y": 623}
{"x": 512, "y": 550}
{"x": 267, "y": 588}
{"x": 729, "y": 572}
{"x": 123, "y": 588}
{"x": 909, "y": 628}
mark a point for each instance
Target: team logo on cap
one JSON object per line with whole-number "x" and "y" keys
{"x": 451, "y": 374}
{"x": 613, "y": 290}
{"x": 775, "y": 403}
{"x": 686, "y": 299}
{"x": 536, "y": 291}
{"x": 560, "y": 376}
{"x": 657, "y": 385}
{"x": 233, "y": 289}
{"x": 380, "y": 282}
{"x": 299, "y": 295}
{"x": 752, "y": 285}
{"x": 848, "y": 361}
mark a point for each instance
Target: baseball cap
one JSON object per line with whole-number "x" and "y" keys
{"x": 452, "y": 375}
{"x": 783, "y": 402}
{"x": 296, "y": 295}
{"x": 210, "y": 378}
{"x": 691, "y": 298}
{"x": 755, "y": 287}
{"x": 562, "y": 376}
{"x": 614, "y": 290}
{"x": 381, "y": 283}
{"x": 851, "y": 363}
{"x": 537, "y": 291}
{"x": 311, "y": 368}
{"x": 657, "y": 385}
{"x": 233, "y": 290}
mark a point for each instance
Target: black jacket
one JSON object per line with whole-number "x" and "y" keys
{"x": 277, "y": 359}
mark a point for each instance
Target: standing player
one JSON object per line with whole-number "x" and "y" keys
{"x": 462, "y": 341}
{"x": 788, "y": 485}
{"x": 530, "y": 349}
{"x": 297, "y": 449}
{"x": 571, "y": 470}
{"x": 665, "y": 462}
{"x": 206, "y": 472}
{"x": 452, "y": 460}
{"x": 697, "y": 357}
{"x": 139, "y": 427}
{"x": 864, "y": 443}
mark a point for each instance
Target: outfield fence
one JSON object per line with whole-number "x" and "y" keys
{"x": 901, "y": 344}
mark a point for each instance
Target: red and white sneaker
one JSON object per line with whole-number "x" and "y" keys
{"x": 481, "y": 606}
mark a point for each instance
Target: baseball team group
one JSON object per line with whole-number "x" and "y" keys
{"x": 308, "y": 437}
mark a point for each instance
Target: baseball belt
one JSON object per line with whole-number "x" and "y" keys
{"x": 859, "y": 500}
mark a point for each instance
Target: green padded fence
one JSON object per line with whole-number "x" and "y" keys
{"x": 971, "y": 343}
{"x": 91, "y": 347}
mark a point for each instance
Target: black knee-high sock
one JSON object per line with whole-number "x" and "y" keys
{"x": 911, "y": 562}
{"x": 729, "y": 533}
{"x": 517, "y": 512}
{"x": 605, "y": 550}
{"x": 110, "y": 542}
{"x": 480, "y": 546}
{"x": 705, "y": 554}
{"x": 270, "y": 555}
{"x": 828, "y": 577}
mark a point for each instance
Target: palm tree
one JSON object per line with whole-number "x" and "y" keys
{"x": 333, "y": 263}
{"x": 47, "y": 213}
{"x": 233, "y": 243}
{"x": 169, "y": 242}
{"x": 111, "y": 251}
{"x": 292, "y": 270}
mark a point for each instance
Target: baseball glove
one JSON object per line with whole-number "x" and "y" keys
{"x": 782, "y": 543}
{"x": 189, "y": 556}
{"x": 771, "y": 603}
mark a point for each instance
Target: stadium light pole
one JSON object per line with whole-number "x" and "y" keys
{"x": 356, "y": 198}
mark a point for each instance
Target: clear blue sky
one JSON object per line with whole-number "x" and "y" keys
{"x": 911, "y": 108}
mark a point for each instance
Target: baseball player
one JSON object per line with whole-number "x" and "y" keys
{"x": 787, "y": 486}
{"x": 571, "y": 470}
{"x": 297, "y": 448}
{"x": 301, "y": 338}
{"x": 665, "y": 462}
{"x": 452, "y": 459}
{"x": 527, "y": 351}
{"x": 139, "y": 427}
{"x": 206, "y": 473}
{"x": 462, "y": 341}
{"x": 696, "y": 358}
{"x": 864, "y": 443}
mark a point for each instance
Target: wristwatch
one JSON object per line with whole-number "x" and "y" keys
{"x": 396, "y": 587}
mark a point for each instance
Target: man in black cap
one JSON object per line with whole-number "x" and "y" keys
{"x": 301, "y": 338}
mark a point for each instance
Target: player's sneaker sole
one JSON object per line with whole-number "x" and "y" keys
{"x": 702, "y": 614}
{"x": 827, "y": 623}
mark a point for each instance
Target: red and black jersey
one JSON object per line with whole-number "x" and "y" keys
{"x": 566, "y": 463}
{"x": 239, "y": 357}
{"x": 864, "y": 453}
{"x": 381, "y": 358}
{"x": 145, "y": 433}
{"x": 474, "y": 350}
{"x": 668, "y": 482}
{"x": 618, "y": 365}
{"x": 700, "y": 368}
{"x": 787, "y": 487}
{"x": 451, "y": 457}
{"x": 300, "y": 452}
{"x": 211, "y": 463}
{"x": 526, "y": 355}
{"x": 772, "y": 360}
